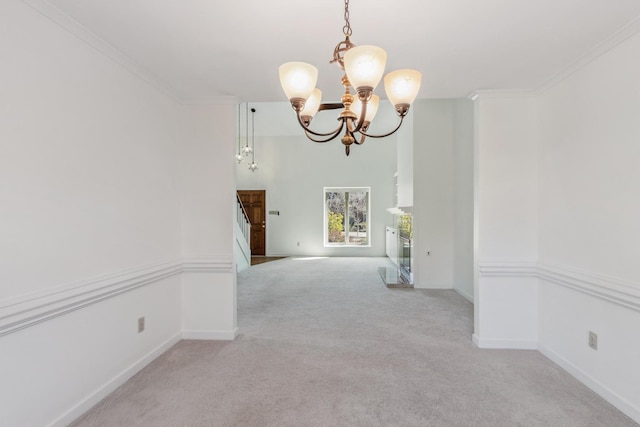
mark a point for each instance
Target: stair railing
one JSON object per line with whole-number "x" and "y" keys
{"x": 243, "y": 219}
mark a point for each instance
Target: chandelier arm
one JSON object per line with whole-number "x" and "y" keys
{"x": 361, "y": 120}
{"x": 307, "y": 130}
{"x": 335, "y": 134}
{"x": 359, "y": 125}
{"x": 386, "y": 134}
{"x": 331, "y": 106}
{"x": 362, "y": 138}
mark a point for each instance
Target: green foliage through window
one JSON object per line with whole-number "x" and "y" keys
{"x": 346, "y": 216}
{"x": 336, "y": 226}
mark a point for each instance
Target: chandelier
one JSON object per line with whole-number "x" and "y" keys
{"x": 363, "y": 67}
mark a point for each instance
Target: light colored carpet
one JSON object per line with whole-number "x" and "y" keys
{"x": 324, "y": 343}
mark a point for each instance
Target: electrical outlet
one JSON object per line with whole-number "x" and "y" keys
{"x": 140, "y": 324}
{"x": 593, "y": 340}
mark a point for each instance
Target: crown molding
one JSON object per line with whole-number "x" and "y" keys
{"x": 212, "y": 100}
{"x": 621, "y": 35}
{"x": 618, "y": 37}
{"x": 501, "y": 94}
{"x": 54, "y": 14}
{"x": 57, "y": 16}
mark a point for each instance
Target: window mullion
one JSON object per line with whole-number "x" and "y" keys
{"x": 346, "y": 218}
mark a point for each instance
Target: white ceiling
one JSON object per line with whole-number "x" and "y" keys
{"x": 210, "y": 48}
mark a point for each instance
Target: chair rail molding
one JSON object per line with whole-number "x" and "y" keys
{"x": 510, "y": 267}
{"x": 609, "y": 288}
{"x": 28, "y": 310}
{"x": 207, "y": 264}
{"x": 613, "y": 289}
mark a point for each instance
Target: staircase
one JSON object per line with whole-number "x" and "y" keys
{"x": 242, "y": 236}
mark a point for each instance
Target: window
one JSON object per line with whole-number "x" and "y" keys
{"x": 346, "y": 216}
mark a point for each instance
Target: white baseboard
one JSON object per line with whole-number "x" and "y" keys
{"x": 108, "y": 388}
{"x": 95, "y": 397}
{"x": 493, "y": 343}
{"x": 229, "y": 335}
{"x": 468, "y": 297}
{"x": 610, "y": 396}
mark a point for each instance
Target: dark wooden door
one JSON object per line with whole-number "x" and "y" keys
{"x": 254, "y": 202}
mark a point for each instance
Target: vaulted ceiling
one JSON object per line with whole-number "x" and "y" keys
{"x": 209, "y": 48}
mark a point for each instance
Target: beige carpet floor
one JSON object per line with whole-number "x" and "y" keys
{"x": 324, "y": 343}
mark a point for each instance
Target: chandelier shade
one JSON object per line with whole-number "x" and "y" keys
{"x": 402, "y": 86}
{"x": 311, "y": 105}
{"x": 298, "y": 79}
{"x": 372, "y": 108}
{"x": 363, "y": 68}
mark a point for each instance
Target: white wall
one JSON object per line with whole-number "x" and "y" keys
{"x": 506, "y": 220}
{"x": 87, "y": 167}
{"x": 463, "y": 175}
{"x": 56, "y": 370}
{"x": 293, "y": 171}
{"x": 589, "y": 228}
{"x": 91, "y": 203}
{"x": 433, "y": 193}
{"x": 557, "y": 234}
{"x": 405, "y": 162}
{"x": 508, "y": 176}
{"x": 208, "y": 221}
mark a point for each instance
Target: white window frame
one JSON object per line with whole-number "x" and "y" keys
{"x": 325, "y": 219}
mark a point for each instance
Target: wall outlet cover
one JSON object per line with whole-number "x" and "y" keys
{"x": 593, "y": 340}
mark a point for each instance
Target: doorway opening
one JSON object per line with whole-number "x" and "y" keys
{"x": 255, "y": 202}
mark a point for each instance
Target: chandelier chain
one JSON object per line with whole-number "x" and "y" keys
{"x": 253, "y": 166}
{"x": 347, "y": 25}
